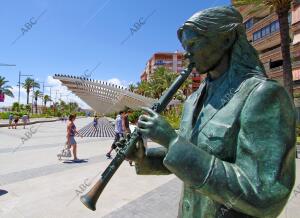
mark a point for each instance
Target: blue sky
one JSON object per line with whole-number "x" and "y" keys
{"x": 74, "y": 36}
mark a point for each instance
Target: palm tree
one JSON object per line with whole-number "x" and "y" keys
{"x": 62, "y": 105}
{"x": 28, "y": 85}
{"x": 21, "y": 107}
{"x": 46, "y": 99}
{"x": 28, "y": 108}
{"x": 36, "y": 95}
{"x": 163, "y": 78}
{"x": 15, "y": 106}
{"x": 73, "y": 106}
{"x": 5, "y": 89}
{"x": 131, "y": 87}
{"x": 144, "y": 88}
{"x": 281, "y": 8}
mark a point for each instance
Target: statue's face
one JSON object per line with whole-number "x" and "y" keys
{"x": 206, "y": 52}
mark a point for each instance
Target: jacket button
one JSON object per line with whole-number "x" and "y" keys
{"x": 186, "y": 204}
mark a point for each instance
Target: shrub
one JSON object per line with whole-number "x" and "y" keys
{"x": 134, "y": 116}
{"x": 173, "y": 116}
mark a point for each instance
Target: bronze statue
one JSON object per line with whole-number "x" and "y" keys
{"x": 235, "y": 151}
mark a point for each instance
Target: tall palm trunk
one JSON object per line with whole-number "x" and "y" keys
{"x": 36, "y": 104}
{"x": 285, "y": 49}
{"x": 28, "y": 90}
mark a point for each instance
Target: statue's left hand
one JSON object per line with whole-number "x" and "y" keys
{"x": 155, "y": 127}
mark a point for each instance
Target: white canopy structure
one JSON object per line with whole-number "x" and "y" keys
{"x": 102, "y": 96}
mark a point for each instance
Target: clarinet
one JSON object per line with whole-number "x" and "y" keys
{"x": 90, "y": 198}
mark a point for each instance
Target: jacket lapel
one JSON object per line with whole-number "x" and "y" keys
{"x": 189, "y": 107}
{"x": 212, "y": 105}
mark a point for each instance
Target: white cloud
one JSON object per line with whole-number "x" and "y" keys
{"x": 58, "y": 91}
{"x": 118, "y": 82}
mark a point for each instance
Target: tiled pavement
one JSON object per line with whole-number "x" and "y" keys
{"x": 104, "y": 129}
{"x": 35, "y": 184}
{"x": 160, "y": 202}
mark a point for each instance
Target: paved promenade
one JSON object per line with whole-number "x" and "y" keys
{"x": 34, "y": 184}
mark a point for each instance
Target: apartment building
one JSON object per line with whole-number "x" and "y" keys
{"x": 173, "y": 62}
{"x": 262, "y": 28}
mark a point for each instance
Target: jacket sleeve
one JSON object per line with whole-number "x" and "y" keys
{"x": 261, "y": 178}
{"x": 152, "y": 164}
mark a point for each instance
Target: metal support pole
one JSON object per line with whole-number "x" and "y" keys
{"x": 19, "y": 87}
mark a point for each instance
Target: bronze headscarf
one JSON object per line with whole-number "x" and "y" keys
{"x": 212, "y": 22}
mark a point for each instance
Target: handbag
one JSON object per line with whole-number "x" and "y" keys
{"x": 65, "y": 152}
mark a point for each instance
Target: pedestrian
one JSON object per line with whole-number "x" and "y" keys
{"x": 95, "y": 122}
{"x": 71, "y": 131}
{"x": 118, "y": 133}
{"x": 16, "y": 120}
{"x": 127, "y": 131}
{"x": 10, "y": 120}
{"x": 126, "y": 123}
{"x": 25, "y": 119}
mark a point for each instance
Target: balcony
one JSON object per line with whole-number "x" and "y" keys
{"x": 267, "y": 41}
{"x": 270, "y": 55}
{"x": 296, "y": 26}
{"x": 277, "y": 71}
{"x": 261, "y": 23}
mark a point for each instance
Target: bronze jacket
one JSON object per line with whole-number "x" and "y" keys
{"x": 239, "y": 158}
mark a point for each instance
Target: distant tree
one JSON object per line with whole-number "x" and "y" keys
{"x": 5, "y": 89}
{"x": 28, "y": 108}
{"x": 73, "y": 107}
{"x": 22, "y": 107}
{"x": 15, "y": 106}
{"x": 36, "y": 94}
{"x": 46, "y": 99}
{"x": 131, "y": 87}
{"x": 144, "y": 88}
{"x": 28, "y": 85}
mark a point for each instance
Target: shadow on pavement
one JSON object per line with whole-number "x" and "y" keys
{"x": 3, "y": 192}
{"x": 75, "y": 161}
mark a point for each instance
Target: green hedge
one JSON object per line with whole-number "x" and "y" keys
{"x": 48, "y": 114}
{"x": 173, "y": 116}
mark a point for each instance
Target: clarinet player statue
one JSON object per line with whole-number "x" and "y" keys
{"x": 235, "y": 150}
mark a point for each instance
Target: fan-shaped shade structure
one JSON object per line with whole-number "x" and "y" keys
{"x": 102, "y": 96}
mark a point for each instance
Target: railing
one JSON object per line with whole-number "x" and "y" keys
{"x": 260, "y": 21}
{"x": 264, "y": 37}
{"x": 270, "y": 52}
{"x": 294, "y": 64}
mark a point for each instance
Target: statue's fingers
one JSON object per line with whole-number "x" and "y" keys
{"x": 144, "y": 118}
{"x": 143, "y": 131}
{"x": 143, "y": 124}
{"x": 151, "y": 112}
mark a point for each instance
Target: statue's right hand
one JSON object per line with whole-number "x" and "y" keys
{"x": 139, "y": 152}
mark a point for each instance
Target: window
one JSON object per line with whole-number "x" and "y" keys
{"x": 273, "y": 27}
{"x": 249, "y": 23}
{"x": 257, "y": 35}
{"x": 267, "y": 30}
{"x": 263, "y": 32}
{"x": 277, "y": 25}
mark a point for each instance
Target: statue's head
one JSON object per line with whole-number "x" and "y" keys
{"x": 212, "y": 33}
